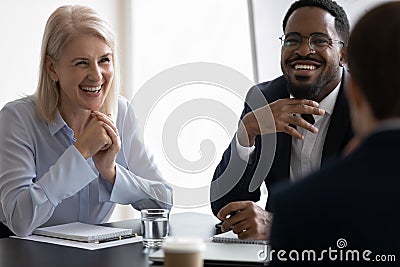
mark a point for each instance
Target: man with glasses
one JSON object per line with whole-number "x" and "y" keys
{"x": 307, "y": 113}
{"x": 347, "y": 213}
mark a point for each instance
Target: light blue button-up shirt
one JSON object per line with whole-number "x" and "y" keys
{"x": 44, "y": 180}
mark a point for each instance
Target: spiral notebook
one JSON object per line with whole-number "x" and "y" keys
{"x": 231, "y": 237}
{"x": 83, "y": 232}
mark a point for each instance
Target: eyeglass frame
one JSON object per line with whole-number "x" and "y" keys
{"x": 311, "y": 46}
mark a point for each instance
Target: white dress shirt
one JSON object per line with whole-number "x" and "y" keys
{"x": 44, "y": 180}
{"x": 306, "y": 154}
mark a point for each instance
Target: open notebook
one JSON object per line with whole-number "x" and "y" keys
{"x": 231, "y": 237}
{"x": 83, "y": 232}
{"x": 226, "y": 254}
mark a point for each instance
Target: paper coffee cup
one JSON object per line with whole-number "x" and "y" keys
{"x": 183, "y": 252}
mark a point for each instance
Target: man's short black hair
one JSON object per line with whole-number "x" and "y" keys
{"x": 341, "y": 21}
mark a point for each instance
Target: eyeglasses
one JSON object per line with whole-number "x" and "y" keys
{"x": 316, "y": 41}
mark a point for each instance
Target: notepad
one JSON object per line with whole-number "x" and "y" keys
{"x": 83, "y": 232}
{"x": 231, "y": 237}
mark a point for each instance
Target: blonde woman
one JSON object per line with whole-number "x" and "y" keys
{"x": 71, "y": 151}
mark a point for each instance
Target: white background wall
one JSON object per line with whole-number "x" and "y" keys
{"x": 175, "y": 32}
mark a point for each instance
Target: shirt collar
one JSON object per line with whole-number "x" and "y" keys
{"x": 387, "y": 125}
{"x": 57, "y": 125}
{"x": 328, "y": 103}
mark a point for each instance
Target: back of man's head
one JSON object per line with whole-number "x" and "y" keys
{"x": 374, "y": 59}
{"x": 341, "y": 21}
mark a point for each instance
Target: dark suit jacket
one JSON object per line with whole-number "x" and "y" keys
{"x": 236, "y": 180}
{"x": 356, "y": 199}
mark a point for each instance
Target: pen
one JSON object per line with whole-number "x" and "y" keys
{"x": 218, "y": 226}
{"x": 233, "y": 213}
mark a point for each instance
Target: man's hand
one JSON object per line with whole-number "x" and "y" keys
{"x": 249, "y": 220}
{"x": 277, "y": 117}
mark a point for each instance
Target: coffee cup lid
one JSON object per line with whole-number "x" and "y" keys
{"x": 183, "y": 245}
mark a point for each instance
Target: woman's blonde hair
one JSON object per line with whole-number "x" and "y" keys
{"x": 63, "y": 25}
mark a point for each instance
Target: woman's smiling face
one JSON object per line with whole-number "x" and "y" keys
{"x": 85, "y": 72}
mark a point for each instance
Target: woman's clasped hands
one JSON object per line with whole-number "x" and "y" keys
{"x": 100, "y": 140}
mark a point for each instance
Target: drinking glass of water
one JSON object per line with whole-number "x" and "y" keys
{"x": 154, "y": 226}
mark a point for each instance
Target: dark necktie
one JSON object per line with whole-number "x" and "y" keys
{"x": 309, "y": 118}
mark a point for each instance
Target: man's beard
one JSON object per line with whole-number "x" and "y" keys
{"x": 316, "y": 91}
{"x": 310, "y": 92}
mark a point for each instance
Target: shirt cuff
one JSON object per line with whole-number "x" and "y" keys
{"x": 70, "y": 174}
{"x": 244, "y": 152}
{"x": 140, "y": 192}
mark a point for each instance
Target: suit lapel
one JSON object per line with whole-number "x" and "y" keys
{"x": 339, "y": 127}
